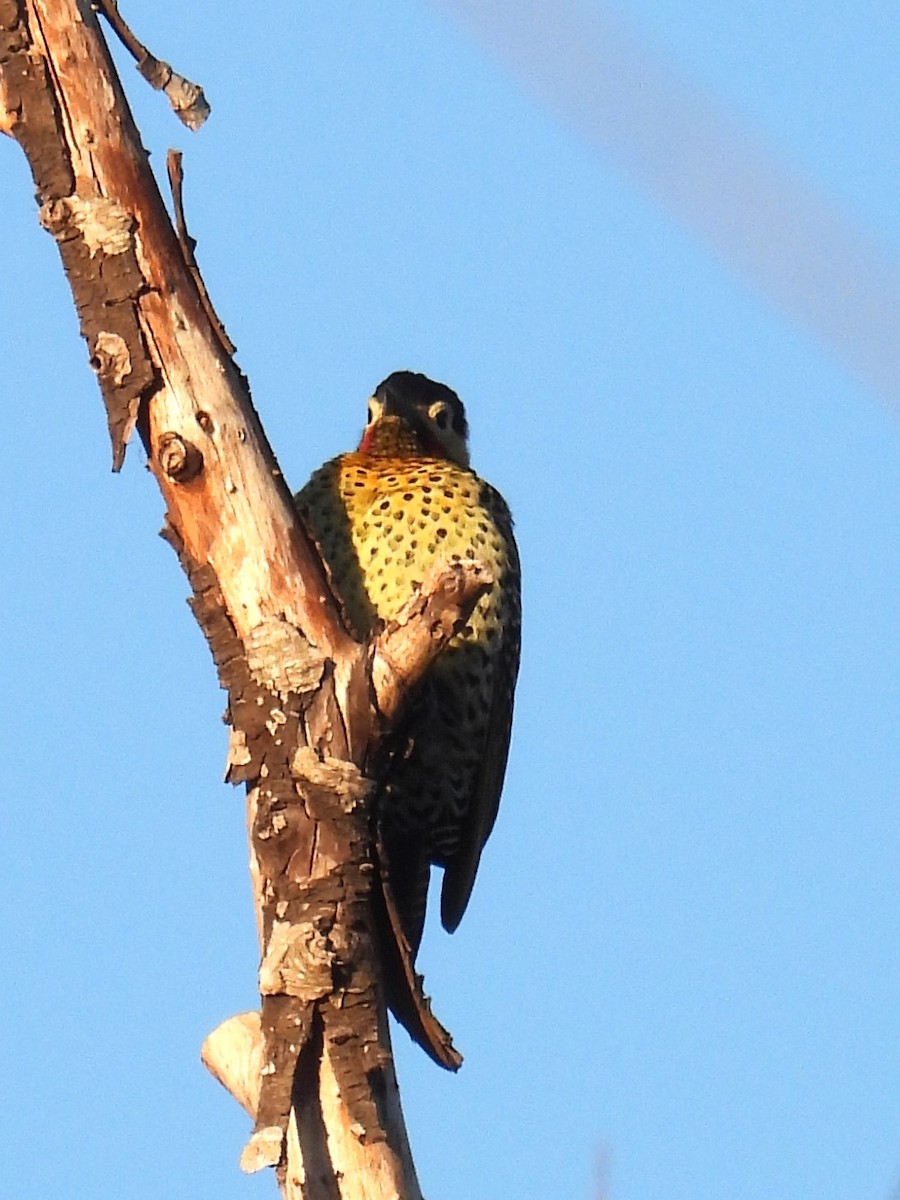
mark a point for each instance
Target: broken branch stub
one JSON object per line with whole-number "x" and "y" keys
{"x": 442, "y": 605}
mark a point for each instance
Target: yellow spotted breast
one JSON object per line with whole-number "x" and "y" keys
{"x": 381, "y": 522}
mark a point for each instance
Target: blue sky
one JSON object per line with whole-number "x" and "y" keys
{"x": 679, "y": 974}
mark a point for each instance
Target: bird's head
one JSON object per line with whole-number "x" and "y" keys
{"x": 411, "y": 415}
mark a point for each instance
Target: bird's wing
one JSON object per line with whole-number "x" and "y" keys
{"x": 481, "y": 813}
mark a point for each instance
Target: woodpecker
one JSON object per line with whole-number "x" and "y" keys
{"x": 405, "y": 500}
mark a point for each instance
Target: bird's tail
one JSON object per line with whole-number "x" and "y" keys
{"x": 400, "y": 915}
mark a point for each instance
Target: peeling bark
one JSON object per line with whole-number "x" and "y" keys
{"x": 306, "y": 703}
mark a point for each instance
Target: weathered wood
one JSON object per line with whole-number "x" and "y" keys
{"x": 306, "y": 703}
{"x": 186, "y": 98}
{"x": 401, "y": 655}
{"x": 234, "y": 1053}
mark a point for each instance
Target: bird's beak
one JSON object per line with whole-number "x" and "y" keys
{"x": 389, "y": 402}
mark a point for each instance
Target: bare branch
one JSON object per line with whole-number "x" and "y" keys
{"x": 409, "y": 645}
{"x": 186, "y": 98}
{"x": 234, "y": 1054}
{"x": 314, "y": 1067}
{"x": 189, "y": 244}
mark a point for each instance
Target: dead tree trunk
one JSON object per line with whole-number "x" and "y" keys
{"x": 306, "y": 701}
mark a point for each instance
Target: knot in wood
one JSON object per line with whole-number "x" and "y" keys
{"x": 104, "y": 224}
{"x": 180, "y": 459}
{"x": 298, "y": 961}
{"x": 329, "y": 785}
{"x": 280, "y": 658}
{"x": 111, "y": 358}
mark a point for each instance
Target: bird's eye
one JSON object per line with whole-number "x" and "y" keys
{"x": 440, "y": 414}
{"x": 373, "y": 413}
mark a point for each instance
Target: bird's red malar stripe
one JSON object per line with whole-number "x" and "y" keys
{"x": 431, "y": 447}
